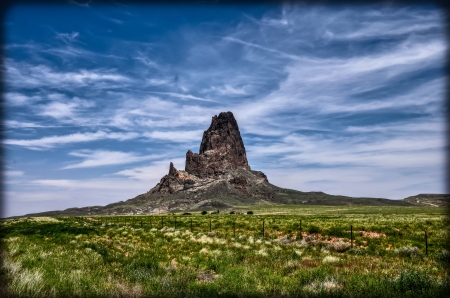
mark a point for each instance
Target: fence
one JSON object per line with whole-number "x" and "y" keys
{"x": 231, "y": 224}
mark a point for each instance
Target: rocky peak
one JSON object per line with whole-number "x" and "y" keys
{"x": 221, "y": 149}
{"x": 172, "y": 170}
{"x": 223, "y": 133}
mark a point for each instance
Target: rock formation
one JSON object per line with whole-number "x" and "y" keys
{"x": 219, "y": 177}
{"x": 219, "y": 172}
{"x": 221, "y": 149}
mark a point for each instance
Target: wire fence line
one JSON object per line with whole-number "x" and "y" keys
{"x": 263, "y": 227}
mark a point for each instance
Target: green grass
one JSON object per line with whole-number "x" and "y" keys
{"x": 101, "y": 257}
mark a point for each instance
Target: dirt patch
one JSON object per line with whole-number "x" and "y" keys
{"x": 372, "y": 234}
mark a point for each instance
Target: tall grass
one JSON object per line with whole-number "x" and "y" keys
{"x": 89, "y": 257}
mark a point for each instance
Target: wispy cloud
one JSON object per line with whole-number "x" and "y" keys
{"x": 11, "y": 173}
{"x": 53, "y": 141}
{"x": 23, "y": 75}
{"x": 250, "y": 44}
{"x": 18, "y": 99}
{"x": 183, "y": 96}
{"x": 97, "y": 158}
{"x": 18, "y": 124}
{"x": 67, "y": 37}
{"x": 61, "y": 109}
{"x": 175, "y": 136}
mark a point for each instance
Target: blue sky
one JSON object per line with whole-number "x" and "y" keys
{"x": 348, "y": 100}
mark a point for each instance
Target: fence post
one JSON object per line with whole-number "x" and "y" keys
{"x": 210, "y": 225}
{"x": 426, "y": 242}
{"x": 174, "y": 222}
{"x": 351, "y": 235}
{"x": 162, "y": 222}
{"x": 301, "y": 236}
{"x": 234, "y": 228}
{"x": 191, "y": 225}
{"x": 263, "y": 230}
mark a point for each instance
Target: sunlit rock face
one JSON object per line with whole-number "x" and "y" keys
{"x": 221, "y": 150}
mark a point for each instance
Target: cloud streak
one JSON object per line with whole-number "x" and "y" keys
{"x": 50, "y": 142}
{"x": 106, "y": 158}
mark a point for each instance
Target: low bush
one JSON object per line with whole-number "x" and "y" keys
{"x": 313, "y": 230}
{"x": 408, "y": 251}
{"x": 339, "y": 246}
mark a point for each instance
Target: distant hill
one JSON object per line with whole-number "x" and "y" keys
{"x": 431, "y": 200}
{"x": 219, "y": 177}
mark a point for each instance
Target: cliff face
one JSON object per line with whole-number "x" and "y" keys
{"x": 221, "y": 150}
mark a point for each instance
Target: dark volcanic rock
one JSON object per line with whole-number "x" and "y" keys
{"x": 219, "y": 172}
{"x": 221, "y": 150}
{"x": 173, "y": 182}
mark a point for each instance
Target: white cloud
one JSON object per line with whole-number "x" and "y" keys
{"x": 96, "y": 158}
{"x": 410, "y": 151}
{"x": 10, "y": 173}
{"x": 25, "y": 75}
{"x": 175, "y": 136}
{"x": 16, "y": 99}
{"x": 226, "y": 90}
{"x": 65, "y": 107}
{"x": 67, "y": 37}
{"x": 18, "y": 124}
{"x": 53, "y": 141}
{"x": 281, "y": 53}
{"x": 419, "y": 126}
{"x": 183, "y": 96}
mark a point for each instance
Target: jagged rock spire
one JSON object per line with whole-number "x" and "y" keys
{"x": 221, "y": 150}
{"x": 172, "y": 170}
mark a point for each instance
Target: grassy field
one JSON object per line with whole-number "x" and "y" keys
{"x": 303, "y": 252}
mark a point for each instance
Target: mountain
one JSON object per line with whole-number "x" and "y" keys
{"x": 219, "y": 177}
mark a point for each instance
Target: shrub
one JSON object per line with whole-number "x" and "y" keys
{"x": 413, "y": 281}
{"x": 250, "y": 212}
{"x": 339, "y": 246}
{"x": 408, "y": 251}
{"x": 337, "y": 232}
{"x": 330, "y": 260}
{"x": 204, "y": 212}
{"x": 357, "y": 251}
{"x": 444, "y": 256}
{"x": 313, "y": 230}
